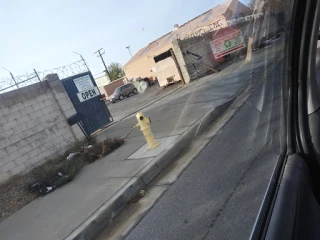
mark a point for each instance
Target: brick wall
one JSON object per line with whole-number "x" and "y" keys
{"x": 33, "y": 126}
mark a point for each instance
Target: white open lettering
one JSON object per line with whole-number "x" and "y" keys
{"x": 88, "y": 94}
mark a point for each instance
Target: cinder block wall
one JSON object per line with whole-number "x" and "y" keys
{"x": 199, "y": 45}
{"x": 33, "y": 126}
{"x": 180, "y": 59}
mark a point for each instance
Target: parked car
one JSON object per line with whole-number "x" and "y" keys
{"x": 123, "y": 91}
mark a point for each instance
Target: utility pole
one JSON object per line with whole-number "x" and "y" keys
{"x": 251, "y": 38}
{"x": 129, "y": 50}
{"x": 100, "y": 55}
{"x": 82, "y": 59}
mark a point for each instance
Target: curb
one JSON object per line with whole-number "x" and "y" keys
{"x": 160, "y": 162}
{"x": 104, "y": 215}
{"x": 108, "y": 211}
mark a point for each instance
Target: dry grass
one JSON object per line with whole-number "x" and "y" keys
{"x": 21, "y": 190}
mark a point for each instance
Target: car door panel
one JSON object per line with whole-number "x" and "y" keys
{"x": 125, "y": 92}
{"x": 294, "y": 210}
{"x": 296, "y": 213}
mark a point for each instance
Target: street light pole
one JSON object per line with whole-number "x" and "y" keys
{"x": 129, "y": 50}
{"x": 105, "y": 66}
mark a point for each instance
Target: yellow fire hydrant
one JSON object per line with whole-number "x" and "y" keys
{"x": 144, "y": 124}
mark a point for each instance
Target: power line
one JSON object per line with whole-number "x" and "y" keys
{"x": 100, "y": 55}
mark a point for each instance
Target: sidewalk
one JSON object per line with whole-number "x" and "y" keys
{"x": 81, "y": 208}
{"x": 134, "y": 103}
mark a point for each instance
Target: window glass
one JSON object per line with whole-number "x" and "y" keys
{"x": 196, "y": 145}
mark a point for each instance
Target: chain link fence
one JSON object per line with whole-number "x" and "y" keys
{"x": 14, "y": 82}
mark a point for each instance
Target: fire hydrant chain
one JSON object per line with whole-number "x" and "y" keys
{"x": 144, "y": 124}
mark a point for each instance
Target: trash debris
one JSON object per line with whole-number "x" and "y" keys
{"x": 141, "y": 193}
{"x": 137, "y": 197}
{"x": 71, "y": 155}
{"x": 53, "y": 175}
{"x": 86, "y": 147}
{"x": 41, "y": 188}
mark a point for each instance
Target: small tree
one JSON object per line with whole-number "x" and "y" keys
{"x": 115, "y": 71}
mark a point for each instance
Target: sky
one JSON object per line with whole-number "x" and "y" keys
{"x": 44, "y": 34}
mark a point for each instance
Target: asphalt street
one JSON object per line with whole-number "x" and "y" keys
{"x": 218, "y": 196}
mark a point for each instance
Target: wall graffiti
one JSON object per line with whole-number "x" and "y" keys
{"x": 244, "y": 19}
{"x": 217, "y": 24}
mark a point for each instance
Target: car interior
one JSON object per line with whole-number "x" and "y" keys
{"x": 291, "y": 208}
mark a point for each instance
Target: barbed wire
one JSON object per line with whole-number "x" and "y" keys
{"x": 15, "y": 82}
{"x": 67, "y": 70}
{"x": 27, "y": 79}
{"x": 7, "y": 84}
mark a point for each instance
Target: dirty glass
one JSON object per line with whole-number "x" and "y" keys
{"x": 185, "y": 152}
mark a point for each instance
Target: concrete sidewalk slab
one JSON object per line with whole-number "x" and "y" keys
{"x": 117, "y": 169}
{"x": 166, "y": 133}
{"x": 58, "y": 214}
{"x": 143, "y": 152}
{"x": 124, "y": 151}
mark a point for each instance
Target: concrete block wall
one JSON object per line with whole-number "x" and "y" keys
{"x": 33, "y": 126}
{"x": 199, "y": 45}
{"x": 64, "y": 102}
{"x": 180, "y": 59}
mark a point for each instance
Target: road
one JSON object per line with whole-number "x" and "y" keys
{"x": 218, "y": 196}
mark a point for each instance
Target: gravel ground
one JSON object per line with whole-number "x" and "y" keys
{"x": 14, "y": 195}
